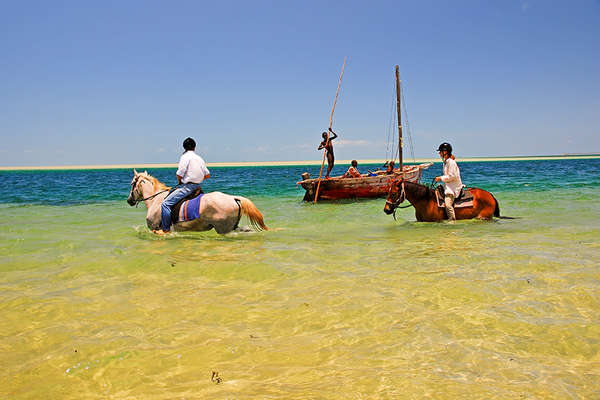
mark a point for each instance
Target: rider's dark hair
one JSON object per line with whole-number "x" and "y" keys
{"x": 189, "y": 144}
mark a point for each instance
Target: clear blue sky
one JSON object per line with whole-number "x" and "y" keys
{"x": 126, "y": 81}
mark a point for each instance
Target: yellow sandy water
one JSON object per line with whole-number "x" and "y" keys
{"x": 337, "y": 301}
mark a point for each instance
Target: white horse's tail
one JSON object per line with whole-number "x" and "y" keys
{"x": 254, "y": 215}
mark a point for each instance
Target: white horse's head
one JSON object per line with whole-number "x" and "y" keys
{"x": 136, "y": 186}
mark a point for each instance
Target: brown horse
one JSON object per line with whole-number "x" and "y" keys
{"x": 485, "y": 205}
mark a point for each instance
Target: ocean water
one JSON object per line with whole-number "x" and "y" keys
{"x": 336, "y": 301}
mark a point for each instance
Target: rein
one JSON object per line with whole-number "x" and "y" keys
{"x": 433, "y": 185}
{"x": 137, "y": 201}
{"x": 396, "y": 204}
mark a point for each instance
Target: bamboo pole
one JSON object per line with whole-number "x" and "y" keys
{"x": 330, "y": 125}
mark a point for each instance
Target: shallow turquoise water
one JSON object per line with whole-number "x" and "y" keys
{"x": 337, "y": 300}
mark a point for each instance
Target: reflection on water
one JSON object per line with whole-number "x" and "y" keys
{"x": 337, "y": 301}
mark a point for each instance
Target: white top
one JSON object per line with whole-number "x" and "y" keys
{"x": 451, "y": 178}
{"x": 192, "y": 168}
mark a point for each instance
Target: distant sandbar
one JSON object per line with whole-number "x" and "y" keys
{"x": 295, "y": 163}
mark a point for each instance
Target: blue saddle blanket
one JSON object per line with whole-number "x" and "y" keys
{"x": 190, "y": 209}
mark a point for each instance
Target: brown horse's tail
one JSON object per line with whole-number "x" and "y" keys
{"x": 497, "y": 209}
{"x": 254, "y": 215}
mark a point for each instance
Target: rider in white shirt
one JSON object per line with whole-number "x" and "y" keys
{"x": 451, "y": 178}
{"x": 192, "y": 168}
{"x": 191, "y": 172}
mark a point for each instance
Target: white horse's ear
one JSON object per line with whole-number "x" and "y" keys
{"x": 135, "y": 172}
{"x": 146, "y": 172}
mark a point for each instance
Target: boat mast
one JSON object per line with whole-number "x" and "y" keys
{"x": 398, "y": 106}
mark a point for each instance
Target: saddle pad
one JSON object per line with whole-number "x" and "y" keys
{"x": 190, "y": 209}
{"x": 465, "y": 199}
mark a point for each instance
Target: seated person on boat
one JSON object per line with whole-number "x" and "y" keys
{"x": 352, "y": 171}
{"x": 388, "y": 169}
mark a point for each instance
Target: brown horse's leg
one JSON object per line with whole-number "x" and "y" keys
{"x": 418, "y": 205}
{"x": 424, "y": 211}
{"x": 432, "y": 213}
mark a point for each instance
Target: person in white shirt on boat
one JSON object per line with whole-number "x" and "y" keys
{"x": 352, "y": 171}
{"x": 451, "y": 178}
{"x": 191, "y": 172}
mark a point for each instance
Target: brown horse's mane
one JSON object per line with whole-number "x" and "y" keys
{"x": 418, "y": 190}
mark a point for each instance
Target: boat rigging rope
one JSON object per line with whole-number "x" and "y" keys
{"x": 408, "y": 130}
{"x": 389, "y": 153}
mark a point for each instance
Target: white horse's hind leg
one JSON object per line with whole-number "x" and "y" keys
{"x": 226, "y": 225}
{"x": 193, "y": 225}
{"x": 223, "y": 212}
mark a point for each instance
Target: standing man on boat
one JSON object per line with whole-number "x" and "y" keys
{"x": 451, "y": 178}
{"x": 328, "y": 146}
{"x": 191, "y": 172}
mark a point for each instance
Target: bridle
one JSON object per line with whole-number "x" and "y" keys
{"x": 401, "y": 197}
{"x": 134, "y": 189}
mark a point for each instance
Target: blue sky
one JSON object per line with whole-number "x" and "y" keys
{"x": 126, "y": 81}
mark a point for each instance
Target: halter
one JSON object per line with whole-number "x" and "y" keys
{"x": 396, "y": 204}
{"x": 138, "y": 179}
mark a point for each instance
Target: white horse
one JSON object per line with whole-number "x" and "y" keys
{"x": 217, "y": 210}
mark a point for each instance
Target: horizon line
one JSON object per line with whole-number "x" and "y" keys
{"x": 292, "y": 163}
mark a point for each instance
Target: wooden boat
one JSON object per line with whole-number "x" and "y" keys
{"x": 367, "y": 186}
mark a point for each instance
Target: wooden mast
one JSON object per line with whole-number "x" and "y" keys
{"x": 399, "y": 107}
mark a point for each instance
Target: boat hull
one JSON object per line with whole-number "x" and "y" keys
{"x": 359, "y": 188}
{"x": 348, "y": 188}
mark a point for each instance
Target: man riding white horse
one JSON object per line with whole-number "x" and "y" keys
{"x": 191, "y": 172}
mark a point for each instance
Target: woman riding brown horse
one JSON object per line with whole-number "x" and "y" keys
{"x": 485, "y": 206}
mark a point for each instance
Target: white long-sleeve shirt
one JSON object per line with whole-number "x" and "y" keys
{"x": 192, "y": 168}
{"x": 451, "y": 178}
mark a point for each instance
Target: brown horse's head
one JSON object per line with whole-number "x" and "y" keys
{"x": 396, "y": 196}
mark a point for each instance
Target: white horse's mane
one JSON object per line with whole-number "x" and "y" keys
{"x": 158, "y": 185}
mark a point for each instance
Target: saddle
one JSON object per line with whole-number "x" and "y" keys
{"x": 464, "y": 199}
{"x": 188, "y": 207}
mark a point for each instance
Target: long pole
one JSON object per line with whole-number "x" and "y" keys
{"x": 330, "y": 125}
{"x": 399, "y": 107}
